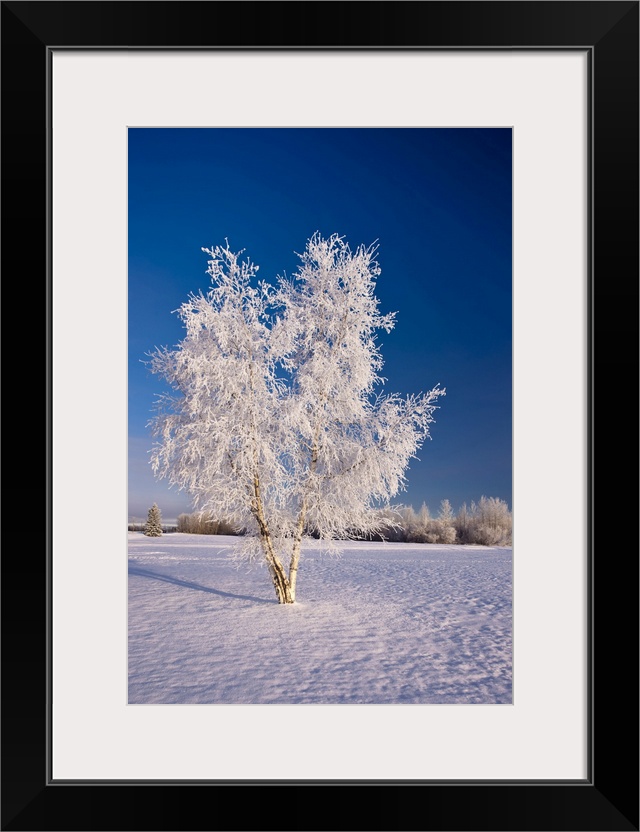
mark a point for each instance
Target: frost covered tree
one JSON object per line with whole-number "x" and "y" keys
{"x": 153, "y": 526}
{"x": 446, "y": 513}
{"x": 444, "y": 524}
{"x": 487, "y": 522}
{"x": 274, "y": 421}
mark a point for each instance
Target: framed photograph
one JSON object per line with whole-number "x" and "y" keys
{"x": 561, "y": 79}
{"x": 359, "y": 527}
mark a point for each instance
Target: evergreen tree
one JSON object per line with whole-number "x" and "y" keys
{"x": 153, "y": 526}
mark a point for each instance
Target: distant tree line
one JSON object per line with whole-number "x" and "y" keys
{"x": 203, "y": 522}
{"x": 140, "y": 526}
{"x": 487, "y": 522}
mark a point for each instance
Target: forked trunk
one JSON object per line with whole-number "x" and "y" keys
{"x": 276, "y": 569}
{"x": 284, "y": 591}
{"x": 282, "y": 586}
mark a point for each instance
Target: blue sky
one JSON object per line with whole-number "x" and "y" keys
{"x": 438, "y": 201}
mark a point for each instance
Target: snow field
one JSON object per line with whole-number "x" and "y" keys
{"x": 384, "y": 623}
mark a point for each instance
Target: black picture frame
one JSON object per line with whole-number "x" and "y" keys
{"x": 608, "y": 798}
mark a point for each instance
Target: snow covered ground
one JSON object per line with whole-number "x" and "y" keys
{"x": 392, "y": 623}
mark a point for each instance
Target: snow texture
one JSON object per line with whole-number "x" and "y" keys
{"x": 384, "y": 623}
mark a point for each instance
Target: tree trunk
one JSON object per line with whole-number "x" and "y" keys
{"x": 276, "y": 569}
{"x": 281, "y": 583}
{"x": 293, "y": 565}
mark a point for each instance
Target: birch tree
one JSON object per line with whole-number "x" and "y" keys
{"x": 276, "y": 419}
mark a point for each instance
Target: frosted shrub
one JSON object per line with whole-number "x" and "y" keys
{"x": 422, "y": 528}
{"x": 487, "y": 523}
{"x": 440, "y": 532}
{"x": 487, "y": 535}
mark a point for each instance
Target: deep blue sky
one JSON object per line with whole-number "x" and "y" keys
{"x": 439, "y": 203}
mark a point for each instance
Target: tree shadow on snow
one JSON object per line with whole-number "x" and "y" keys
{"x": 146, "y": 573}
